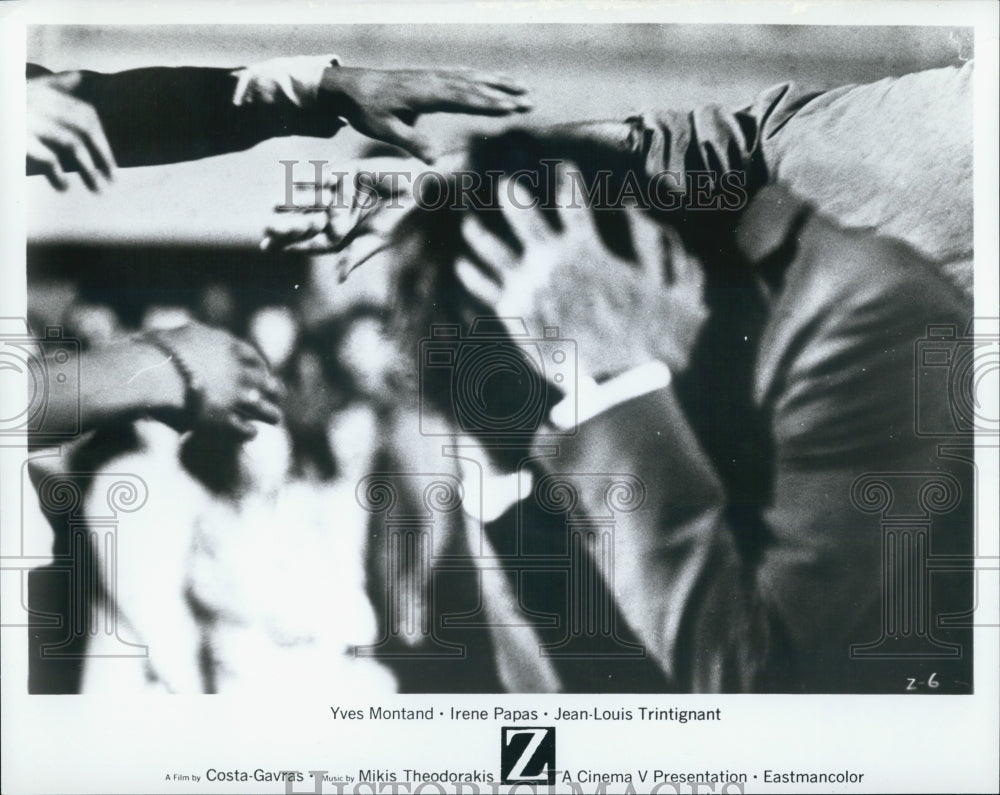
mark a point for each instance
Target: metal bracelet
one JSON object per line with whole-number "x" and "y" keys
{"x": 194, "y": 396}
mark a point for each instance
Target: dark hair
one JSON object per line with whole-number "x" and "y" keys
{"x": 428, "y": 243}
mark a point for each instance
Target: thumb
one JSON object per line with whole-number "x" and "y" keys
{"x": 393, "y": 131}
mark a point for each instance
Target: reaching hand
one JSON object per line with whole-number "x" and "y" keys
{"x": 362, "y": 207}
{"x": 65, "y": 134}
{"x": 385, "y": 105}
{"x": 621, "y": 313}
{"x": 359, "y": 214}
{"x": 234, "y": 381}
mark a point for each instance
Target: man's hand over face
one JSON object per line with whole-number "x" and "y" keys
{"x": 620, "y": 313}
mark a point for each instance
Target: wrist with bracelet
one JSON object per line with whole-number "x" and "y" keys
{"x": 194, "y": 395}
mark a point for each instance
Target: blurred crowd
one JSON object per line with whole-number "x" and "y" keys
{"x": 254, "y": 550}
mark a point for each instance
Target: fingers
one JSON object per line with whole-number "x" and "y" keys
{"x": 61, "y": 146}
{"x": 565, "y": 195}
{"x": 502, "y": 82}
{"x": 102, "y": 148}
{"x": 359, "y": 198}
{"x": 257, "y": 375}
{"x": 649, "y": 246}
{"x": 65, "y": 134}
{"x": 260, "y": 391}
{"x": 42, "y": 160}
{"x": 572, "y": 218}
{"x": 478, "y": 100}
{"x": 79, "y": 155}
{"x": 489, "y": 249}
{"x": 459, "y": 91}
{"x": 70, "y": 151}
{"x": 484, "y": 279}
{"x": 88, "y": 125}
{"x": 243, "y": 428}
{"x": 257, "y": 398}
{"x": 315, "y": 221}
{"x": 361, "y": 249}
{"x": 519, "y": 210}
{"x": 256, "y": 401}
{"x": 576, "y": 221}
{"x": 480, "y": 286}
{"x": 248, "y": 356}
{"x": 303, "y": 230}
{"x": 388, "y": 104}
{"x": 394, "y": 131}
{"x": 235, "y": 381}
{"x": 264, "y": 387}
{"x": 273, "y": 389}
{"x": 352, "y": 207}
{"x": 255, "y": 406}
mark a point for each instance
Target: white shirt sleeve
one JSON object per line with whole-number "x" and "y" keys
{"x": 294, "y": 80}
{"x": 589, "y": 398}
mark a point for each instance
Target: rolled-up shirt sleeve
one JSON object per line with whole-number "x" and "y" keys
{"x": 894, "y": 156}
{"x": 713, "y": 140}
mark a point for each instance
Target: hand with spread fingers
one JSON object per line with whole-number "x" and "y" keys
{"x": 65, "y": 134}
{"x": 233, "y": 382}
{"x": 621, "y": 313}
{"x": 77, "y": 118}
{"x": 385, "y": 104}
{"x": 358, "y": 213}
{"x": 359, "y": 208}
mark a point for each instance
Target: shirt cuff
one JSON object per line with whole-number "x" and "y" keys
{"x": 294, "y": 80}
{"x": 589, "y": 399}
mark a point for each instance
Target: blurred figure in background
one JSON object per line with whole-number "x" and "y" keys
{"x": 196, "y": 378}
{"x": 274, "y": 573}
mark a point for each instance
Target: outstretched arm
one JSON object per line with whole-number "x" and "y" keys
{"x": 159, "y": 115}
{"x": 189, "y": 376}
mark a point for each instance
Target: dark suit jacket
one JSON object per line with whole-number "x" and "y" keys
{"x": 759, "y": 556}
{"x": 158, "y": 114}
{"x": 744, "y": 549}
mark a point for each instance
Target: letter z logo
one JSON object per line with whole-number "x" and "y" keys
{"x": 528, "y": 755}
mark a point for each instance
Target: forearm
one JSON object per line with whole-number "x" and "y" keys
{"x": 165, "y": 115}
{"x": 123, "y": 380}
{"x": 161, "y": 115}
{"x": 707, "y": 158}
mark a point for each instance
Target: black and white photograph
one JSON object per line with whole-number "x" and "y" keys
{"x": 500, "y": 400}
